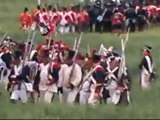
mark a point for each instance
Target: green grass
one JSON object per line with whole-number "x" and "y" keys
{"x": 145, "y": 104}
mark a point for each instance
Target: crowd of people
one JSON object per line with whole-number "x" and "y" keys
{"x": 111, "y": 17}
{"x": 41, "y": 71}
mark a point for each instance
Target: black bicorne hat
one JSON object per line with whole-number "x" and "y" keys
{"x": 17, "y": 54}
{"x": 96, "y": 57}
{"x": 148, "y": 48}
{"x": 26, "y": 9}
{"x": 115, "y": 54}
{"x": 70, "y": 54}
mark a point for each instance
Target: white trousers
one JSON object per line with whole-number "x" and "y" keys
{"x": 4, "y": 79}
{"x": 68, "y": 95}
{"x": 83, "y": 97}
{"x": 64, "y": 29}
{"x": 93, "y": 98}
{"x": 19, "y": 94}
{"x": 72, "y": 27}
{"x": 112, "y": 88}
{"x": 145, "y": 83}
{"x": 46, "y": 96}
{"x": 34, "y": 25}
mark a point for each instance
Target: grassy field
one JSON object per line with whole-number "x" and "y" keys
{"x": 145, "y": 104}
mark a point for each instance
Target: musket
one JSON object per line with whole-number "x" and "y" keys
{"x": 85, "y": 78}
{"x": 39, "y": 2}
{"x": 75, "y": 44}
{"x": 127, "y": 38}
{"x": 52, "y": 52}
{"x": 75, "y": 55}
{"x": 77, "y": 47}
{"x": 4, "y": 36}
{"x": 49, "y": 41}
{"x": 26, "y": 46}
{"x": 100, "y": 17}
{"x": 56, "y": 6}
{"x": 122, "y": 63}
{"x": 89, "y": 73}
{"x": 88, "y": 48}
{"x": 25, "y": 57}
{"x": 31, "y": 45}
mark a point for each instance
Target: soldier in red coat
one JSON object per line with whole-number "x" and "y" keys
{"x": 74, "y": 21}
{"x": 158, "y": 15}
{"x": 117, "y": 21}
{"x": 83, "y": 20}
{"x": 36, "y": 17}
{"x": 25, "y": 19}
{"x": 65, "y": 21}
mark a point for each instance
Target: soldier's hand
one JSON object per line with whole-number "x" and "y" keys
{"x": 50, "y": 82}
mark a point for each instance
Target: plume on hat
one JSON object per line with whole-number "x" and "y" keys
{"x": 102, "y": 51}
